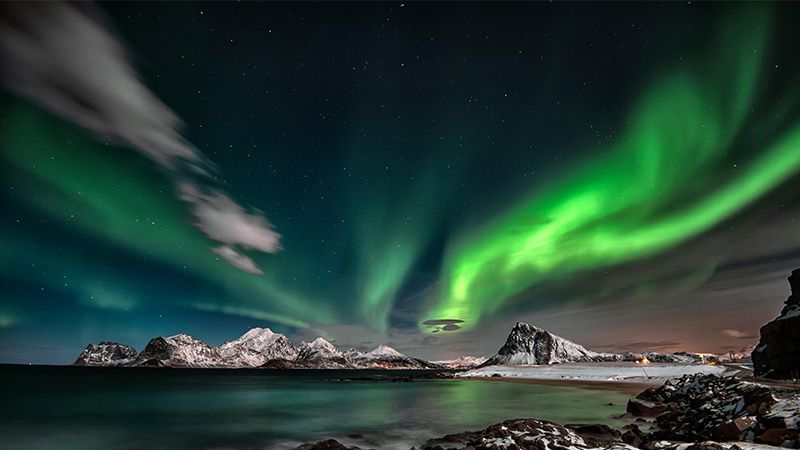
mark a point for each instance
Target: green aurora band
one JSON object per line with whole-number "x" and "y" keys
{"x": 657, "y": 187}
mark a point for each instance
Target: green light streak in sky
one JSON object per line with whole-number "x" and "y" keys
{"x": 667, "y": 179}
{"x": 110, "y": 193}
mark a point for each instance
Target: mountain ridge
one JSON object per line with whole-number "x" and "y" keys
{"x": 256, "y": 348}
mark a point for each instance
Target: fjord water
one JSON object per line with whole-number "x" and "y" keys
{"x": 140, "y": 408}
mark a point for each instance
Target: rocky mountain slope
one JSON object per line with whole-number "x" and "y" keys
{"x": 528, "y": 345}
{"x": 106, "y": 354}
{"x": 180, "y": 350}
{"x": 256, "y": 347}
{"x": 777, "y": 354}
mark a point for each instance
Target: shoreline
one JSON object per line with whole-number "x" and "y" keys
{"x": 632, "y": 388}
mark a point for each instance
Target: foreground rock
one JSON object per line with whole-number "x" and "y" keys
{"x": 106, "y": 354}
{"x": 698, "y": 408}
{"x": 523, "y": 434}
{"x": 778, "y": 352}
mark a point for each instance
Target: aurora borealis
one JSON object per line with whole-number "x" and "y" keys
{"x": 358, "y": 170}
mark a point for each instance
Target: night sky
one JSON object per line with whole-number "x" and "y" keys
{"x": 418, "y": 174}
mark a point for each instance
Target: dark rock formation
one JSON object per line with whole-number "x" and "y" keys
{"x": 778, "y": 352}
{"x": 530, "y": 434}
{"x": 697, "y": 408}
{"x": 106, "y": 354}
{"x": 328, "y": 444}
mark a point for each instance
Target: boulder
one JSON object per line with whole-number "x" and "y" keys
{"x": 734, "y": 429}
{"x": 645, "y": 408}
{"x": 777, "y": 436}
{"x": 327, "y": 444}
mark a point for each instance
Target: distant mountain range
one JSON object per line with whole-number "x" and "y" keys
{"x": 261, "y": 347}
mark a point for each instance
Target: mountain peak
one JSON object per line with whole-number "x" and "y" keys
{"x": 257, "y": 346}
{"x": 531, "y": 345}
{"x": 318, "y": 348}
{"x": 385, "y": 350}
{"x": 256, "y": 332}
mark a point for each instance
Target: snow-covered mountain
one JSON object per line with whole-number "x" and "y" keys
{"x": 180, "y": 350}
{"x": 463, "y": 362}
{"x": 258, "y": 347}
{"x": 317, "y": 354}
{"x": 106, "y": 354}
{"x": 318, "y": 348}
{"x": 528, "y": 344}
{"x": 385, "y": 357}
{"x": 255, "y": 348}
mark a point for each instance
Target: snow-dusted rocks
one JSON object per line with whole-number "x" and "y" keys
{"x": 255, "y": 348}
{"x": 106, "y": 354}
{"x": 180, "y": 350}
{"x": 523, "y": 434}
{"x": 778, "y": 352}
{"x": 707, "y": 407}
{"x": 530, "y": 345}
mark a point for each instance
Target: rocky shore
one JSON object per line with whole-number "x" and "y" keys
{"x": 695, "y": 412}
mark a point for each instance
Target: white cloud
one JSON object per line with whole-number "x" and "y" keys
{"x": 61, "y": 56}
{"x": 223, "y": 220}
{"x": 738, "y": 334}
{"x": 236, "y": 259}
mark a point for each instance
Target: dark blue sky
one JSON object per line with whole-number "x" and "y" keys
{"x": 396, "y": 150}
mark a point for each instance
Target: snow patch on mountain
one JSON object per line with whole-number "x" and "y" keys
{"x": 384, "y": 351}
{"x": 318, "y": 348}
{"x": 256, "y": 347}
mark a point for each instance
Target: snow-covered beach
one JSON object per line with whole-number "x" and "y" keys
{"x": 629, "y": 372}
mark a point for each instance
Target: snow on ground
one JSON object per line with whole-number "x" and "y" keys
{"x": 726, "y": 445}
{"x": 630, "y": 372}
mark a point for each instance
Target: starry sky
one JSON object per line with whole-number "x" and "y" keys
{"x": 418, "y": 174}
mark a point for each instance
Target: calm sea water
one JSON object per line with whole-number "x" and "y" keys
{"x": 133, "y": 408}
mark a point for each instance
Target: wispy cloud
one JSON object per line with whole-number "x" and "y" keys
{"x": 738, "y": 334}
{"x": 62, "y": 57}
